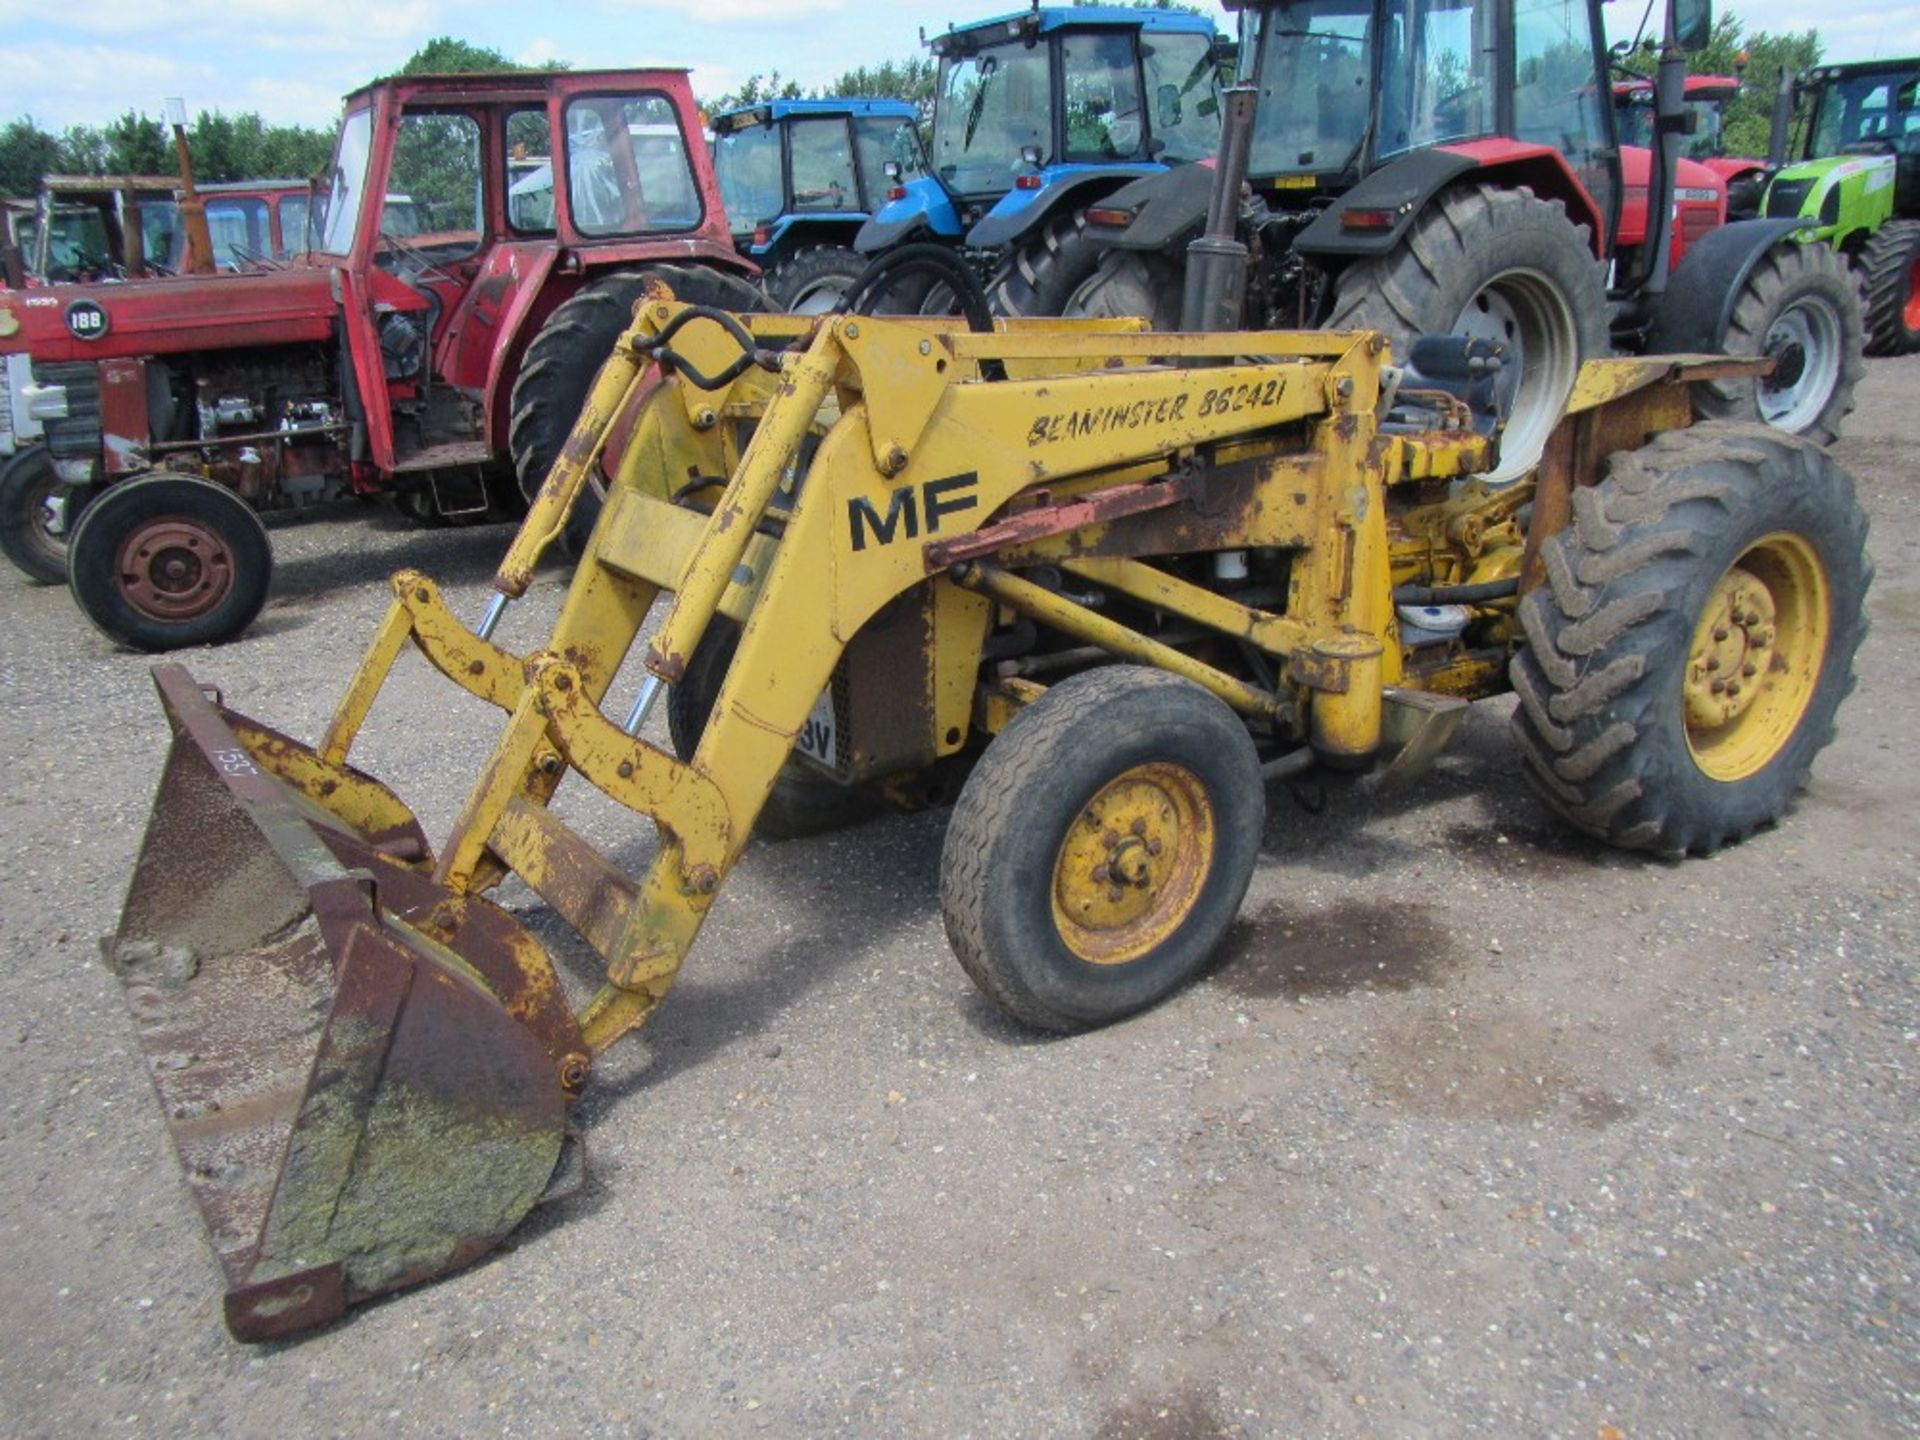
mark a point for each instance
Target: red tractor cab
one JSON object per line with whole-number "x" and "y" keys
{"x": 1703, "y": 139}
{"x": 435, "y": 341}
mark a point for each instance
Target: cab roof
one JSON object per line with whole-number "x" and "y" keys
{"x": 762, "y": 112}
{"x": 1044, "y": 20}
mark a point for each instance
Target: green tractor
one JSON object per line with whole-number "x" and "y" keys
{"x": 1857, "y": 178}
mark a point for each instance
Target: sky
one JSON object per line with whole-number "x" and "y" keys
{"x": 292, "y": 60}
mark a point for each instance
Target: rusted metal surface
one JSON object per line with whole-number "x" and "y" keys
{"x": 356, "y": 1106}
{"x": 1046, "y": 520}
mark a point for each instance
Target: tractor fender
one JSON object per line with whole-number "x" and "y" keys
{"x": 796, "y": 232}
{"x": 925, "y": 206}
{"x": 1167, "y": 208}
{"x": 1019, "y": 212}
{"x": 1404, "y": 188}
{"x": 510, "y": 340}
{"x": 1698, "y": 304}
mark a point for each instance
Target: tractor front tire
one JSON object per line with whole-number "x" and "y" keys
{"x": 1101, "y": 847}
{"x": 1800, "y": 307}
{"x": 1890, "y": 277}
{"x": 1130, "y": 283}
{"x": 1501, "y": 265}
{"x": 29, "y": 487}
{"x": 816, "y": 281}
{"x": 1045, "y": 274}
{"x": 1695, "y": 637}
{"x": 564, "y": 358}
{"x": 168, "y": 561}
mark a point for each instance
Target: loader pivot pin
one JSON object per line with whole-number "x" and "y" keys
{"x": 496, "y": 607}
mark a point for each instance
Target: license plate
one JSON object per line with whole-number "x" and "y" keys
{"x": 816, "y": 736}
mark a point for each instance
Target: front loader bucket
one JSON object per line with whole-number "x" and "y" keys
{"x": 365, "y": 1075}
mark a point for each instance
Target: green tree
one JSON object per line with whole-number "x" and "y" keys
{"x": 138, "y": 145}
{"x": 444, "y": 55}
{"x": 26, "y": 153}
{"x": 1759, "y": 59}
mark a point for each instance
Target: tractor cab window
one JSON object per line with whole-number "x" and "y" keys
{"x": 747, "y": 164}
{"x": 295, "y": 239}
{"x": 823, "y": 178}
{"x": 1437, "y": 75}
{"x": 1861, "y": 109}
{"x": 1183, "y": 99}
{"x": 530, "y": 171}
{"x": 238, "y": 225}
{"x": 1559, "y": 72}
{"x": 993, "y": 104}
{"x": 1102, "y": 85}
{"x": 1313, "y": 83}
{"x": 883, "y": 140}
{"x": 162, "y": 242}
{"x": 627, "y": 168}
{"x": 347, "y": 183}
{"x": 436, "y": 167}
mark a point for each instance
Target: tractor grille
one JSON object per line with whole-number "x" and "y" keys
{"x": 76, "y": 437}
{"x": 1786, "y": 197}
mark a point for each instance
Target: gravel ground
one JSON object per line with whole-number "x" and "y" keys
{"x": 1478, "y": 1129}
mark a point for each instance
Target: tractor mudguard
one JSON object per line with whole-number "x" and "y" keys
{"x": 1698, "y": 304}
{"x": 1166, "y": 208}
{"x": 1020, "y": 212}
{"x": 1402, "y": 189}
{"x": 925, "y": 206}
{"x": 791, "y": 233}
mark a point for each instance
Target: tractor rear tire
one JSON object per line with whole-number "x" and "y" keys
{"x": 803, "y": 802}
{"x": 1101, "y": 847}
{"x": 1801, "y": 306}
{"x": 815, "y": 281}
{"x": 564, "y": 358}
{"x": 1045, "y": 273}
{"x": 1890, "y": 276}
{"x": 1129, "y": 283}
{"x": 168, "y": 561}
{"x": 1503, "y": 265}
{"x": 28, "y": 484}
{"x": 1695, "y": 637}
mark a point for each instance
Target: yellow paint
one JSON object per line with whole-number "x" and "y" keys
{"x": 1133, "y": 864}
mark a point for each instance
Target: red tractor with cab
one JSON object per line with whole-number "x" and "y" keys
{"x": 1704, "y": 137}
{"x": 482, "y": 243}
{"x": 1428, "y": 167}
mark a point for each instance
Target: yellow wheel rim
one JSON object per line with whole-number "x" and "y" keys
{"x": 1756, "y": 657}
{"x": 1133, "y": 864}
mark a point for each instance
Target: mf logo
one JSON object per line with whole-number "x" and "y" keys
{"x": 909, "y": 506}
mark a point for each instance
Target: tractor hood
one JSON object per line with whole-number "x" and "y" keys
{"x": 170, "y": 315}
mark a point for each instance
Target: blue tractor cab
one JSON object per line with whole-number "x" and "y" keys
{"x": 800, "y": 177}
{"x": 1039, "y": 114}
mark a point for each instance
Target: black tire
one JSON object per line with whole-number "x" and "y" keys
{"x": 168, "y": 561}
{"x": 1132, "y": 738}
{"x": 1045, "y": 273}
{"x": 1619, "y": 661}
{"x": 28, "y": 482}
{"x": 1890, "y": 279}
{"x": 803, "y": 802}
{"x": 561, "y": 362}
{"x": 1801, "y": 306}
{"x": 1131, "y": 282}
{"x": 815, "y": 281}
{"x": 1502, "y": 264}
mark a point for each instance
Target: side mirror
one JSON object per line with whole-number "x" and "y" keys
{"x": 1692, "y": 24}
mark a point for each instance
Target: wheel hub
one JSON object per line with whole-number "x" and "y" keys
{"x": 1732, "y": 651}
{"x": 1756, "y": 657}
{"x": 174, "y": 569}
{"x": 1805, "y": 344}
{"x": 1133, "y": 863}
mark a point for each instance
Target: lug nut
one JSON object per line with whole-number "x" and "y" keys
{"x": 1139, "y": 826}
{"x": 1713, "y": 662}
{"x": 1116, "y": 895}
{"x": 1718, "y": 687}
{"x": 1721, "y": 633}
{"x": 1153, "y": 847}
{"x": 1100, "y": 874}
{"x": 1749, "y": 671}
{"x": 1733, "y": 689}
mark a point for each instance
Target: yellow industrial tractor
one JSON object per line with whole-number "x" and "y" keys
{"x": 1104, "y": 580}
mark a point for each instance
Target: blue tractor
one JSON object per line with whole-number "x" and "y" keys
{"x": 800, "y": 177}
{"x": 1038, "y": 115}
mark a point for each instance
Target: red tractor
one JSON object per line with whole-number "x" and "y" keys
{"x": 1704, "y": 139}
{"x": 482, "y": 243}
{"x": 1425, "y": 167}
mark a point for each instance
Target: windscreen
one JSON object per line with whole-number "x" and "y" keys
{"x": 747, "y": 164}
{"x": 1858, "y": 108}
{"x": 347, "y": 184}
{"x": 1314, "y": 85}
{"x": 992, "y": 104}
